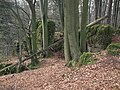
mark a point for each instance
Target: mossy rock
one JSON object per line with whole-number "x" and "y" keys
{"x": 99, "y": 36}
{"x": 51, "y": 31}
{"x": 114, "y": 49}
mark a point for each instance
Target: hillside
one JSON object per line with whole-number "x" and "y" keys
{"x": 53, "y": 75}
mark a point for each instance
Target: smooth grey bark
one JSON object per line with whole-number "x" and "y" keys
{"x": 83, "y": 34}
{"x": 70, "y": 30}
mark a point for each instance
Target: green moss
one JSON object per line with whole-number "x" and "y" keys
{"x": 99, "y": 36}
{"x": 71, "y": 63}
{"x": 114, "y": 49}
{"x": 50, "y": 27}
{"x": 31, "y": 66}
{"x": 10, "y": 70}
{"x": 7, "y": 71}
{"x": 51, "y": 31}
{"x": 86, "y": 58}
{"x": 117, "y": 31}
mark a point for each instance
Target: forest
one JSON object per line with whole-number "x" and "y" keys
{"x": 59, "y": 44}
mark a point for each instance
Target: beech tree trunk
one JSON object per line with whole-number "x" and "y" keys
{"x": 84, "y": 20}
{"x": 71, "y": 47}
{"x": 44, "y": 11}
{"x": 34, "y": 59}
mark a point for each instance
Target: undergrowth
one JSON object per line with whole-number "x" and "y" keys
{"x": 114, "y": 49}
{"x": 11, "y": 70}
{"x": 85, "y": 59}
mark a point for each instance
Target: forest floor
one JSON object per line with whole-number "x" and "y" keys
{"x": 54, "y": 75}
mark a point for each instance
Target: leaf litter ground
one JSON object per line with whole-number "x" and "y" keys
{"x": 53, "y": 75}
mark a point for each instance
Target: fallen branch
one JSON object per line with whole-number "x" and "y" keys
{"x": 41, "y": 51}
{"x": 96, "y": 21}
{"x": 37, "y": 53}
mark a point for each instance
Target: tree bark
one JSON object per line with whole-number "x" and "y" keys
{"x": 109, "y": 12}
{"x": 71, "y": 30}
{"x": 84, "y": 20}
{"x": 34, "y": 59}
{"x": 44, "y": 11}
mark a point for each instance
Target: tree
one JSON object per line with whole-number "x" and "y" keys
{"x": 44, "y": 10}
{"x": 83, "y": 34}
{"x": 109, "y": 12}
{"x": 115, "y": 16}
{"x": 98, "y": 9}
{"x": 32, "y": 3}
{"x": 71, "y": 47}
{"x": 61, "y": 11}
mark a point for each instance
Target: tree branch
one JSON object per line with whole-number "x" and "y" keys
{"x": 96, "y": 21}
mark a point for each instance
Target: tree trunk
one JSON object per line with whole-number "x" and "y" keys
{"x": 84, "y": 19}
{"x": 96, "y": 8}
{"x": 71, "y": 30}
{"x": 115, "y": 13}
{"x": 109, "y": 12}
{"x": 44, "y": 10}
{"x": 61, "y": 11}
{"x": 34, "y": 59}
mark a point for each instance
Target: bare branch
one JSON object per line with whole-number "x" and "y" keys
{"x": 96, "y": 21}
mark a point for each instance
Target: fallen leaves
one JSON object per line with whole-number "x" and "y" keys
{"x": 53, "y": 75}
